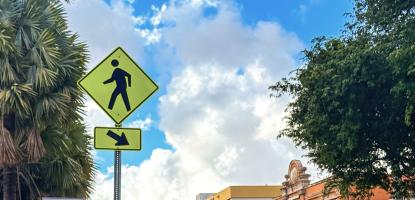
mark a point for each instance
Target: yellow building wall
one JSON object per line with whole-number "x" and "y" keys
{"x": 247, "y": 192}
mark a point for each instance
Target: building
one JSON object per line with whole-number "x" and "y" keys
{"x": 246, "y": 193}
{"x": 297, "y": 187}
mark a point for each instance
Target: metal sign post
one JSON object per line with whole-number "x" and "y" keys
{"x": 117, "y": 175}
{"x": 117, "y": 171}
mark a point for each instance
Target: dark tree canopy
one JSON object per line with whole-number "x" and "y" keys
{"x": 353, "y": 101}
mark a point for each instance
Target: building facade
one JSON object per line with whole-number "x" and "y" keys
{"x": 297, "y": 186}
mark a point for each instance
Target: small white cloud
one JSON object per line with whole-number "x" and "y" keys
{"x": 209, "y": 3}
{"x": 151, "y": 35}
{"x": 139, "y": 20}
{"x": 158, "y": 14}
{"x": 142, "y": 124}
{"x": 301, "y": 11}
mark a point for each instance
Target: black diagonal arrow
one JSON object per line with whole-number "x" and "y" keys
{"x": 121, "y": 140}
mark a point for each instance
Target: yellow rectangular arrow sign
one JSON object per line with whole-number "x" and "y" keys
{"x": 117, "y": 138}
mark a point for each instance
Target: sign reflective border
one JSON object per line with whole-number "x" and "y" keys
{"x": 113, "y": 138}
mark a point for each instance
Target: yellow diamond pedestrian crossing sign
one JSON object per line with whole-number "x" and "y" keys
{"x": 117, "y": 138}
{"x": 118, "y": 85}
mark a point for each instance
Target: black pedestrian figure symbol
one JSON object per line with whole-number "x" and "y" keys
{"x": 119, "y": 77}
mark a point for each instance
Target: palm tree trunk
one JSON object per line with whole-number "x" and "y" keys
{"x": 9, "y": 183}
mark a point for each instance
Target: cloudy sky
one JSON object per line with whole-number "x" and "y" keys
{"x": 212, "y": 123}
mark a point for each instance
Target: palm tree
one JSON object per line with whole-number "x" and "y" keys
{"x": 43, "y": 146}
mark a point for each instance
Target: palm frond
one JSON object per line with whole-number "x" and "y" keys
{"x": 48, "y": 51}
{"x": 17, "y": 99}
{"x": 34, "y": 146}
{"x": 44, "y": 78}
{"x": 7, "y": 72}
{"x": 52, "y": 105}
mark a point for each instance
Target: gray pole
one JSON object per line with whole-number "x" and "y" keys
{"x": 117, "y": 172}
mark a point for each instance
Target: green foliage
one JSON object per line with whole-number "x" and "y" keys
{"x": 40, "y": 64}
{"x": 353, "y": 106}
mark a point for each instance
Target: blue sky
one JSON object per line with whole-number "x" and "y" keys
{"x": 212, "y": 122}
{"x": 307, "y": 19}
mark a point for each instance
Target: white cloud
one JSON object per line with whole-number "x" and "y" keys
{"x": 216, "y": 114}
{"x": 158, "y": 14}
{"x": 142, "y": 124}
{"x": 151, "y": 36}
{"x": 105, "y": 27}
{"x": 224, "y": 40}
{"x": 95, "y": 116}
{"x": 139, "y": 20}
{"x": 221, "y": 121}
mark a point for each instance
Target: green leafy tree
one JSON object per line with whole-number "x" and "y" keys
{"x": 353, "y": 101}
{"x": 43, "y": 146}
